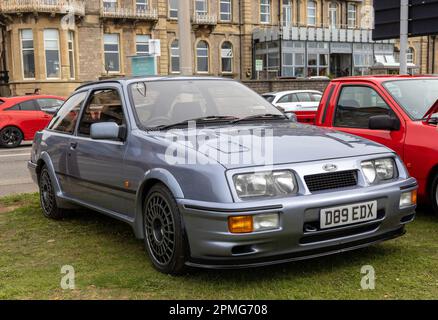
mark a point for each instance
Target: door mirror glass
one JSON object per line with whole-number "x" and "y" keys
{"x": 106, "y": 131}
{"x": 384, "y": 123}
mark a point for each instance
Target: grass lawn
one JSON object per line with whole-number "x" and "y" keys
{"x": 110, "y": 264}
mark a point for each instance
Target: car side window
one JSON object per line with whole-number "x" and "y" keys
{"x": 67, "y": 117}
{"x": 289, "y": 98}
{"x": 357, "y": 104}
{"x": 316, "y": 97}
{"x": 49, "y": 103}
{"x": 103, "y": 106}
{"x": 304, "y": 97}
{"x": 14, "y": 108}
{"x": 28, "y": 106}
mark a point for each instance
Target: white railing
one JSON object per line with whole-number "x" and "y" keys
{"x": 126, "y": 13}
{"x": 204, "y": 19}
{"x": 76, "y": 7}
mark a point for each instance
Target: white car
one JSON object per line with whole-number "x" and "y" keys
{"x": 293, "y": 101}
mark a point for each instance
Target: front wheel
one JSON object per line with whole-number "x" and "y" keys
{"x": 164, "y": 235}
{"x": 48, "y": 196}
{"x": 10, "y": 137}
{"x": 434, "y": 194}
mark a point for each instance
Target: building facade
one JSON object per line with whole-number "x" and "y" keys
{"x": 57, "y": 44}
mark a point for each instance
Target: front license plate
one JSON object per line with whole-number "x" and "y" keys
{"x": 346, "y": 215}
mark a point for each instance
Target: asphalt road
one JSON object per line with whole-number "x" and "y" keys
{"x": 14, "y": 176}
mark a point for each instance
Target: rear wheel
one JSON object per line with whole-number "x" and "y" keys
{"x": 164, "y": 237}
{"x": 434, "y": 194}
{"x": 10, "y": 137}
{"x": 48, "y": 196}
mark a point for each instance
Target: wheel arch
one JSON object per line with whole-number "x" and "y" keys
{"x": 151, "y": 178}
{"x": 432, "y": 174}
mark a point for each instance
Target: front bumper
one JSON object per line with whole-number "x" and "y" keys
{"x": 213, "y": 246}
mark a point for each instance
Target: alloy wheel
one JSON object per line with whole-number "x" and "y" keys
{"x": 47, "y": 194}
{"x": 160, "y": 229}
{"x": 10, "y": 136}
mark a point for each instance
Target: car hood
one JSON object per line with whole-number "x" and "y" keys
{"x": 267, "y": 144}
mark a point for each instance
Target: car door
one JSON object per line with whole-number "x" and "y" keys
{"x": 32, "y": 118}
{"x": 306, "y": 102}
{"x": 59, "y": 133}
{"x": 96, "y": 167}
{"x": 289, "y": 102}
{"x": 356, "y": 104}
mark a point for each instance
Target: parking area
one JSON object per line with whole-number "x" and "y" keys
{"x": 109, "y": 263}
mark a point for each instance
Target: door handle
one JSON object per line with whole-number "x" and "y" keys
{"x": 73, "y": 145}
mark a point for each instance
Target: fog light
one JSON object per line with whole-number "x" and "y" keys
{"x": 240, "y": 224}
{"x": 408, "y": 199}
{"x": 266, "y": 222}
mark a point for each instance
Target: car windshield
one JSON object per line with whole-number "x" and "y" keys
{"x": 416, "y": 97}
{"x": 168, "y": 102}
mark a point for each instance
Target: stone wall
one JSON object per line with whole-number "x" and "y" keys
{"x": 264, "y": 86}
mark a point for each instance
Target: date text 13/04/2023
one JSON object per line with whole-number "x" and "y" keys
{"x": 232, "y": 309}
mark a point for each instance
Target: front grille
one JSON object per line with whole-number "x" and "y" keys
{"x": 334, "y": 180}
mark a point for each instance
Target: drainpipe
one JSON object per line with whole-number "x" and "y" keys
{"x": 240, "y": 40}
{"x": 433, "y": 53}
{"x": 184, "y": 38}
{"x": 404, "y": 26}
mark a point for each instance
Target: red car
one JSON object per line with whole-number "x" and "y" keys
{"x": 400, "y": 112}
{"x": 22, "y": 117}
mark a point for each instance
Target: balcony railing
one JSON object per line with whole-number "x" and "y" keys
{"x": 127, "y": 13}
{"x": 204, "y": 19}
{"x": 76, "y": 7}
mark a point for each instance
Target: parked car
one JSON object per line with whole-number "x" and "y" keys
{"x": 400, "y": 112}
{"x": 22, "y": 117}
{"x": 304, "y": 103}
{"x": 129, "y": 148}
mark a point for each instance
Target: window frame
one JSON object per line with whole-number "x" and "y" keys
{"x": 50, "y": 125}
{"x": 333, "y": 13}
{"x": 231, "y": 58}
{"x": 137, "y": 43}
{"x": 87, "y": 100}
{"x": 266, "y": 4}
{"x": 145, "y": 4}
{"x": 174, "y": 56}
{"x": 27, "y": 49}
{"x": 360, "y": 85}
{"x": 119, "y": 53}
{"x": 203, "y": 12}
{"x": 349, "y": 6}
{"x": 172, "y": 10}
{"x": 229, "y": 14}
{"x": 113, "y": 7}
{"x": 314, "y": 16}
{"x": 287, "y": 11}
{"x": 207, "y": 56}
{"x": 59, "y": 54}
{"x": 72, "y": 59}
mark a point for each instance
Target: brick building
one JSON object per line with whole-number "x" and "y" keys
{"x": 57, "y": 44}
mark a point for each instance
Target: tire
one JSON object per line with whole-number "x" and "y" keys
{"x": 434, "y": 194}
{"x": 10, "y": 137}
{"x": 164, "y": 233}
{"x": 48, "y": 197}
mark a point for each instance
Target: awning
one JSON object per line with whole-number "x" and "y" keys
{"x": 389, "y": 62}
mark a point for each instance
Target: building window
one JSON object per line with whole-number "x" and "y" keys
{"x": 27, "y": 53}
{"x": 265, "y": 11}
{"x": 142, "y": 44}
{"x": 225, "y": 10}
{"x": 351, "y": 15}
{"x": 71, "y": 53}
{"x": 410, "y": 55}
{"x": 51, "y": 48}
{"x": 293, "y": 65}
{"x": 287, "y": 13}
{"x": 333, "y": 15}
{"x": 110, "y": 5}
{"x": 202, "y": 57}
{"x": 142, "y": 5}
{"x": 201, "y": 7}
{"x": 173, "y": 9}
{"x": 111, "y": 51}
{"x": 174, "y": 57}
{"x": 311, "y": 13}
{"x": 317, "y": 64}
{"x": 227, "y": 57}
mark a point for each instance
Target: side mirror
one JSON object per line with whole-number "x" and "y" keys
{"x": 384, "y": 123}
{"x": 292, "y": 116}
{"x": 107, "y": 131}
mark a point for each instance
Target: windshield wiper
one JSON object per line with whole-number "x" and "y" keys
{"x": 267, "y": 116}
{"x": 210, "y": 119}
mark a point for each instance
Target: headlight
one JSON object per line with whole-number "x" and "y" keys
{"x": 265, "y": 184}
{"x": 379, "y": 170}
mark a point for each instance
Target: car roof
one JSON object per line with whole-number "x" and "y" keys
{"x": 129, "y": 80}
{"x": 384, "y": 78}
{"x": 291, "y": 91}
{"x": 29, "y": 97}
